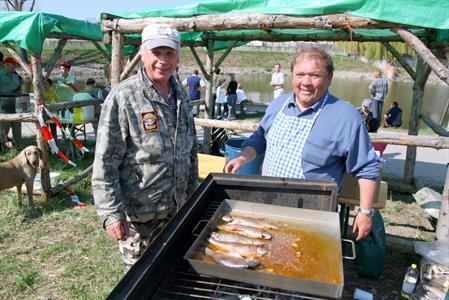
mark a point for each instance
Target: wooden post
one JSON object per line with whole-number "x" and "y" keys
{"x": 210, "y": 103}
{"x": 225, "y": 54}
{"x": 17, "y": 57}
{"x": 400, "y": 59}
{"x": 442, "y": 232}
{"x": 199, "y": 62}
{"x": 102, "y": 50}
{"x": 130, "y": 66}
{"x": 422, "y": 73}
{"x": 421, "y": 49}
{"x": 116, "y": 58}
{"x": 55, "y": 56}
{"x": 41, "y": 143}
{"x": 434, "y": 125}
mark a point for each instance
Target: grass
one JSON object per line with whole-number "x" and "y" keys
{"x": 60, "y": 251}
{"x": 56, "y": 250}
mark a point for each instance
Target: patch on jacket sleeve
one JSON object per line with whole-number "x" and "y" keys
{"x": 149, "y": 121}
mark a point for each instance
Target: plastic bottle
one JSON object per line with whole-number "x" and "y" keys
{"x": 410, "y": 279}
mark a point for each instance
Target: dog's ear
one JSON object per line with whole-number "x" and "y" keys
{"x": 23, "y": 157}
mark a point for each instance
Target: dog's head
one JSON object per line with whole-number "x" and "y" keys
{"x": 31, "y": 155}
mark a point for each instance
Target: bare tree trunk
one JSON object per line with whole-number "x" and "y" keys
{"x": 41, "y": 143}
{"x": 207, "y": 140}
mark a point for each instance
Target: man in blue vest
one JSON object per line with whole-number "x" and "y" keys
{"x": 194, "y": 84}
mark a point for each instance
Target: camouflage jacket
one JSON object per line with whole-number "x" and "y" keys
{"x": 144, "y": 163}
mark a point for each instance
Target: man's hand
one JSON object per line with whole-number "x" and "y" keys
{"x": 118, "y": 231}
{"x": 363, "y": 224}
{"x": 234, "y": 165}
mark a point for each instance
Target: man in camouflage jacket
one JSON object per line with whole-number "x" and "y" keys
{"x": 145, "y": 163}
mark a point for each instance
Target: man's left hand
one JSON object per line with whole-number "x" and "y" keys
{"x": 363, "y": 224}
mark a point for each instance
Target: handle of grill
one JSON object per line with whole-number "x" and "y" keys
{"x": 197, "y": 233}
{"x": 352, "y": 257}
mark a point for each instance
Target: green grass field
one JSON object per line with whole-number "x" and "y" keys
{"x": 55, "y": 250}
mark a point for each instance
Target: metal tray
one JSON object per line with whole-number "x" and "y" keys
{"x": 326, "y": 222}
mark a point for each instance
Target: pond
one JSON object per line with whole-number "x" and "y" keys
{"x": 355, "y": 90}
{"x": 256, "y": 87}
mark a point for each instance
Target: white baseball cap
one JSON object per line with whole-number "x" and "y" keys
{"x": 161, "y": 35}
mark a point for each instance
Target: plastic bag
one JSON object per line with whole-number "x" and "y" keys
{"x": 371, "y": 250}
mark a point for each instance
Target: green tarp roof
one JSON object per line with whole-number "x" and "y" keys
{"x": 425, "y": 13}
{"x": 29, "y": 29}
{"x": 432, "y": 14}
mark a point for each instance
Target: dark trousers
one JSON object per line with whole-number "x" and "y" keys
{"x": 377, "y": 109}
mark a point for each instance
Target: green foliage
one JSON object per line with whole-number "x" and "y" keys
{"x": 375, "y": 50}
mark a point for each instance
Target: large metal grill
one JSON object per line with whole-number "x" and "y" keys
{"x": 162, "y": 273}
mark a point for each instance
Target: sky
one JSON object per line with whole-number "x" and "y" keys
{"x": 91, "y": 9}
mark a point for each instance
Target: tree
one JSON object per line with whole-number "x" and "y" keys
{"x": 18, "y": 5}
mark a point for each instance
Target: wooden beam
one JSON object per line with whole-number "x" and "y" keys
{"x": 247, "y": 22}
{"x": 421, "y": 49}
{"x": 103, "y": 51}
{"x": 225, "y": 54}
{"x": 116, "y": 58}
{"x": 55, "y": 56}
{"x": 130, "y": 66}
{"x": 435, "y": 142}
{"x": 434, "y": 125}
{"x": 383, "y": 138}
{"x": 17, "y": 57}
{"x": 41, "y": 143}
{"x": 400, "y": 59}
{"x": 23, "y": 117}
{"x": 271, "y": 36}
{"x": 72, "y": 180}
{"x": 199, "y": 62}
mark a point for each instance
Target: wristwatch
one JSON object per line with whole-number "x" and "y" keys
{"x": 366, "y": 212}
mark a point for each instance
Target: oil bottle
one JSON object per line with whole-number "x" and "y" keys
{"x": 410, "y": 279}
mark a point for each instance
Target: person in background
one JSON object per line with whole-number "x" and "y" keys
{"x": 146, "y": 162}
{"x": 91, "y": 87}
{"x": 220, "y": 100}
{"x": 277, "y": 81}
{"x": 216, "y": 82}
{"x": 65, "y": 83}
{"x": 176, "y": 75}
{"x": 372, "y": 126}
{"x": 393, "y": 117}
{"x": 241, "y": 99}
{"x": 50, "y": 97}
{"x": 378, "y": 90}
{"x": 365, "y": 110}
{"x": 301, "y": 137}
{"x": 231, "y": 96}
{"x": 10, "y": 85}
{"x": 194, "y": 84}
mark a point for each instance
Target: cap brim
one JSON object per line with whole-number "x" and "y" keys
{"x": 156, "y": 43}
